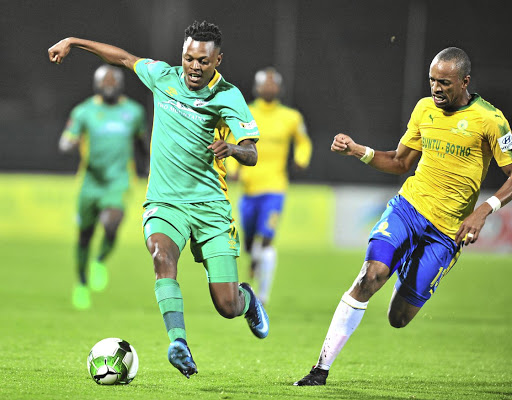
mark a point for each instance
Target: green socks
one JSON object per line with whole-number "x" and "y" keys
{"x": 170, "y": 301}
{"x": 247, "y": 296}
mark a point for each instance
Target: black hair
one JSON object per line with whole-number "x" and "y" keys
{"x": 204, "y": 32}
{"x": 460, "y": 57}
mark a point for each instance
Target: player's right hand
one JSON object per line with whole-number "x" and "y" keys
{"x": 59, "y": 51}
{"x": 343, "y": 144}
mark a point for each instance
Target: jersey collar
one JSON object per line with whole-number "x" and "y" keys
{"x": 97, "y": 99}
{"x": 262, "y": 104}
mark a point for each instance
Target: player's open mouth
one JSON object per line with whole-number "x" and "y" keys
{"x": 194, "y": 78}
{"x": 439, "y": 99}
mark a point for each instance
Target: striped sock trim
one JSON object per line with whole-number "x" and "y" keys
{"x": 170, "y": 301}
{"x": 350, "y": 301}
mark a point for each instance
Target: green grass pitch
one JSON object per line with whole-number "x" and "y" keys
{"x": 458, "y": 347}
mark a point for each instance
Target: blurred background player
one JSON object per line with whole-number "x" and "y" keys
{"x": 106, "y": 126}
{"x": 422, "y": 231}
{"x": 264, "y": 185}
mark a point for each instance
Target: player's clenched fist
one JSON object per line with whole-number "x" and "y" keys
{"x": 342, "y": 144}
{"x": 221, "y": 149}
{"x": 58, "y": 51}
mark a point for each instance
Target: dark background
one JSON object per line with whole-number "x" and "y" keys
{"x": 356, "y": 67}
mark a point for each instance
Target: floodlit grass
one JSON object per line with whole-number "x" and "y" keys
{"x": 458, "y": 347}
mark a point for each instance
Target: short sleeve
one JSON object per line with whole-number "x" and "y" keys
{"x": 237, "y": 116}
{"x": 412, "y": 136}
{"x": 500, "y": 138}
{"x": 75, "y": 125}
{"x": 149, "y": 71}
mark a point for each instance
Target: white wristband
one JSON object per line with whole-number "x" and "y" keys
{"x": 368, "y": 155}
{"x": 494, "y": 202}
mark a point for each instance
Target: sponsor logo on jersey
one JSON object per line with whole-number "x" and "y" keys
{"x": 248, "y": 125}
{"x": 182, "y": 109}
{"x": 431, "y": 118}
{"x": 505, "y": 142}
{"x": 127, "y": 116}
{"x": 200, "y": 103}
{"x": 115, "y": 127}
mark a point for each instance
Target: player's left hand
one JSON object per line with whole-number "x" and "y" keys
{"x": 471, "y": 227}
{"x": 221, "y": 149}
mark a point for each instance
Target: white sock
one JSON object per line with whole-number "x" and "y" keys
{"x": 256, "y": 251}
{"x": 268, "y": 260}
{"x": 346, "y": 318}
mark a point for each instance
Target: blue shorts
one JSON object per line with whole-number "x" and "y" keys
{"x": 408, "y": 243}
{"x": 259, "y": 215}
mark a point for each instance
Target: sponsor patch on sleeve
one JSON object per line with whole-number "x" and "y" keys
{"x": 248, "y": 125}
{"x": 505, "y": 142}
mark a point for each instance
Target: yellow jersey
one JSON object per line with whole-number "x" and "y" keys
{"x": 457, "y": 148}
{"x": 279, "y": 126}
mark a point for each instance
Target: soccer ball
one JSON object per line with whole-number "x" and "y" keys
{"x": 112, "y": 361}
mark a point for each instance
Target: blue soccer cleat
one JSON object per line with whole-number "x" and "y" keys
{"x": 179, "y": 355}
{"x": 256, "y": 315}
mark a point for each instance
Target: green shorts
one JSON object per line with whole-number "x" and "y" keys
{"x": 93, "y": 200}
{"x": 209, "y": 226}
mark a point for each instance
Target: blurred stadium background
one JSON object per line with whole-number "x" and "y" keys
{"x": 357, "y": 67}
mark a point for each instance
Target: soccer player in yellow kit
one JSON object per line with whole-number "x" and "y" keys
{"x": 265, "y": 184}
{"x": 424, "y": 227}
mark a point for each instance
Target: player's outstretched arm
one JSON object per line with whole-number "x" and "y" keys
{"x": 474, "y": 223}
{"x": 397, "y": 162}
{"x": 245, "y": 152}
{"x": 110, "y": 54}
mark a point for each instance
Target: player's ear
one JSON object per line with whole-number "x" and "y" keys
{"x": 465, "y": 81}
{"x": 219, "y": 59}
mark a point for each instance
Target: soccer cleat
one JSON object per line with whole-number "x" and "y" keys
{"x": 81, "y": 298}
{"x": 256, "y": 315}
{"x": 99, "y": 276}
{"x": 180, "y": 357}
{"x": 316, "y": 377}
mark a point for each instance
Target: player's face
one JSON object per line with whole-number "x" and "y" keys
{"x": 109, "y": 87}
{"x": 199, "y": 61}
{"x": 268, "y": 89}
{"x": 448, "y": 89}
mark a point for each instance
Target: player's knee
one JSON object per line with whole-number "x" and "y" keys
{"x": 162, "y": 260}
{"x": 370, "y": 281}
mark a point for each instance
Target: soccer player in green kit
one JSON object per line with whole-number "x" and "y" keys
{"x": 107, "y": 124}
{"x": 187, "y": 193}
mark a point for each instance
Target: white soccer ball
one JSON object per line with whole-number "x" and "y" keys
{"x": 112, "y": 361}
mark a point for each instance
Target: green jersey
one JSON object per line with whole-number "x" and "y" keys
{"x": 183, "y": 169}
{"x": 108, "y": 131}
